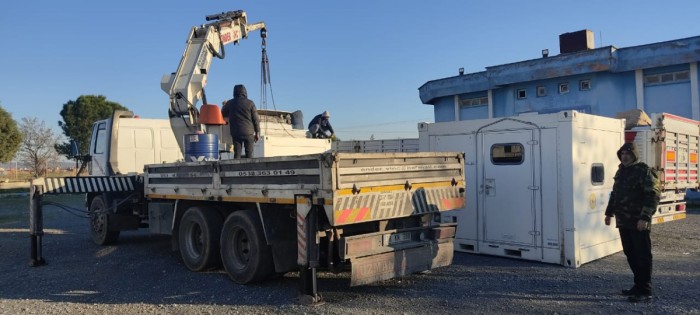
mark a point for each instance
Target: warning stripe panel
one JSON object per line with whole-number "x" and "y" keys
{"x": 89, "y": 184}
{"x": 301, "y": 240}
{"x": 347, "y": 216}
{"x": 362, "y": 207}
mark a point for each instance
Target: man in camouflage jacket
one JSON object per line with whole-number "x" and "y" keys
{"x": 633, "y": 202}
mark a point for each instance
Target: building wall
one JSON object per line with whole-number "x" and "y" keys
{"x": 616, "y": 78}
{"x": 445, "y": 109}
{"x": 671, "y": 97}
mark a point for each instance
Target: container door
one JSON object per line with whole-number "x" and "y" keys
{"x": 507, "y": 187}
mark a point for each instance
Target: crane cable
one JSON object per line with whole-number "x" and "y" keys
{"x": 265, "y": 76}
{"x": 266, "y": 82}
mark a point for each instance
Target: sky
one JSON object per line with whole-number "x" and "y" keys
{"x": 363, "y": 61}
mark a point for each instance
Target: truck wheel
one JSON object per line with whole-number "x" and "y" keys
{"x": 99, "y": 223}
{"x": 245, "y": 255}
{"x": 199, "y": 239}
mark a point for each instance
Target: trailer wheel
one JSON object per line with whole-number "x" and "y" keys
{"x": 99, "y": 223}
{"x": 245, "y": 255}
{"x": 199, "y": 239}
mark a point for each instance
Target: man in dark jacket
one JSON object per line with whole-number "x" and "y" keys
{"x": 320, "y": 126}
{"x": 243, "y": 120}
{"x": 633, "y": 202}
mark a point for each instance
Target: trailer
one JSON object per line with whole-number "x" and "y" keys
{"x": 669, "y": 145}
{"x": 537, "y": 185}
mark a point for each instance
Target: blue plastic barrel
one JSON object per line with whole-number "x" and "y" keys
{"x": 201, "y": 147}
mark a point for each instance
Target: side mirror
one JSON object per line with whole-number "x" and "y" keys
{"x": 74, "y": 148}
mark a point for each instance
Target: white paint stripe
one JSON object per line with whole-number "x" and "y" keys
{"x": 82, "y": 185}
{"x": 69, "y": 185}
{"x": 93, "y": 185}
{"x": 48, "y": 182}
{"x": 62, "y": 182}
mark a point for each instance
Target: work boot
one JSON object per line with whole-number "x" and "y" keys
{"x": 640, "y": 297}
{"x": 630, "y": 292}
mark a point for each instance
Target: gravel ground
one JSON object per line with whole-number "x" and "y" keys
{"x": 141, "y": 275}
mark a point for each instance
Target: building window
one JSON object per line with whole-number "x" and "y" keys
{"x": 521, "y": 94}
{"x": 541, "y": 91}
{"x": 584, "y": 85}
{"x": 669, "y": 77}
{"x": 476, "y": 101}
{"x": 507, "y": 154}
{"x": 564, "y": 88}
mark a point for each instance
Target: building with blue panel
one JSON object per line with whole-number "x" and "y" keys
{"x": 658, "y": 77}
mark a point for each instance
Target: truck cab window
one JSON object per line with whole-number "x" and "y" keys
{"x": 507, "y": 154}
{"x": 101, "y": 139}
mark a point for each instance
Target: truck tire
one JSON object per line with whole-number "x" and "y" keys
{"x": 198, "y": 237}
{"x": 245, "y": 254}
{"x": 99, "y": 223}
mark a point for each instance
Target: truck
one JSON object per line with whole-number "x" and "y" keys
{"x": 377, "y": 216}
{"x": 669, "y": 144}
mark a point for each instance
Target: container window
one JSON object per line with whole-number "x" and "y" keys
{"x": 597, "y": 174}
{"x": 101, "y": 139}
{"x": 507, "y": 154}
{"x": 521, "y": 94}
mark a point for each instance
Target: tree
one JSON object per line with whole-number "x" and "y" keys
{"x": 37, "y": 149}
{"x": 78, "y": 117}
{"x": 10, "y": 136}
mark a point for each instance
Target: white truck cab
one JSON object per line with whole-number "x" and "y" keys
{"x": 124, "y": 144}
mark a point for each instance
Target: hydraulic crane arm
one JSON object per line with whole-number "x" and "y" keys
{"x": 186, "y": 86}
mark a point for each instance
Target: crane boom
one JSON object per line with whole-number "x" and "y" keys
{"x": 186, "y": 86}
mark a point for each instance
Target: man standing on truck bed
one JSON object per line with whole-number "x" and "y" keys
{"x": 243, "y": 120}
{"x": 633, "y": 202}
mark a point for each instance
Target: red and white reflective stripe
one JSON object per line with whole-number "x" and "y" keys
{"x": 302, "y": 259}
{"x": 352, "y": 215}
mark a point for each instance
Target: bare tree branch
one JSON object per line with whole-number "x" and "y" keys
{"x": 37, "y": 149}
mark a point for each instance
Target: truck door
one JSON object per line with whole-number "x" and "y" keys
{"x": 508, "y": 187}
{"x": 99, "y": 149}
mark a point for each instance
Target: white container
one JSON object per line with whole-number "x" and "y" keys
{"x": 537, "y": 185}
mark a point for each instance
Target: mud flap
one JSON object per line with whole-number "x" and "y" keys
{"x": 399, "y": 263}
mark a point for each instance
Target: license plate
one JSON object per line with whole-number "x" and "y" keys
{"x": 397, "y": 238}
